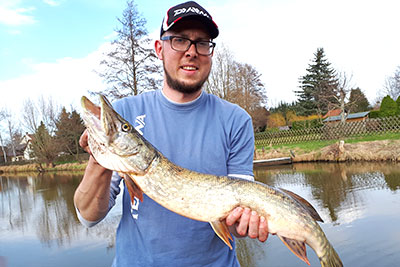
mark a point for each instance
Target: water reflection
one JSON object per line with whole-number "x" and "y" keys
{"x": 359, "y": 203}
{"x": 39, "y": 210}
{"x": 40, "y": 205}
{"x": 337, "y": 187}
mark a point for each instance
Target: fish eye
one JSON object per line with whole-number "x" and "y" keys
{"x": 125, "y": 127}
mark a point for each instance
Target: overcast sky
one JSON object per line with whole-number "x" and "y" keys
{"x": 51, "y": 47}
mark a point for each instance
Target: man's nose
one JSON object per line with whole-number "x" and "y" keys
{"x": 192, "y": 51}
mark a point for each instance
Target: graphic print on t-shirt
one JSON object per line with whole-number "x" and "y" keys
{"x": 139, "y": 125}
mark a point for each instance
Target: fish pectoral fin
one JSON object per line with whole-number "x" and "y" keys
{"x": 311, "y": 210}
{"x": 222, "y": 232}
{"x": 133, "y": 189}
{"x": 297, "y": 247}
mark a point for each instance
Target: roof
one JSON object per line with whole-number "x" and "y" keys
{"x": 350, "y": 116}
{"x": 19, "y": 150}
{"x": 334, "y": 112}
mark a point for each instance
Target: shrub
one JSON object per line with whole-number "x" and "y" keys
{"x": 373, "y": 114}
{"x": 298, "y": 125}
{"x": 388, "y": 107}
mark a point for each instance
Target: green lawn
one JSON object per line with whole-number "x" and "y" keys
{"x": 374, "y": 137}
{"x": 315, "y": 145}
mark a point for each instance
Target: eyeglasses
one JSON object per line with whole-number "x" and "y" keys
{"x": 182, "y": 44}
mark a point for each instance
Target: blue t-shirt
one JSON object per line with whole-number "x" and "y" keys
{"x": 207, "y": 135}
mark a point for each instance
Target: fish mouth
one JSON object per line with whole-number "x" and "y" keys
{"x": 101, "y": 121}
{"x": 91, "y": 114}
{"x": 90, "y": 108}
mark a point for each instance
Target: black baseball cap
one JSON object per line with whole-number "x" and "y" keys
{"x": 189, "y": 10}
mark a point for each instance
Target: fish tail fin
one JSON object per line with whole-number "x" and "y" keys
{"x": 330, "y": 258}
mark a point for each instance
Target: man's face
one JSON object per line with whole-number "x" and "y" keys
{"x": 187, "y": 71}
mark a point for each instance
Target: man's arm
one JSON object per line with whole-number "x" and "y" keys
{"x": 93, "y": 193}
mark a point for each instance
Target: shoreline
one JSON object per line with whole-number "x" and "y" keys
{"x": 384, "y": 150}
{"x": 373, "y": 151}
{"x": 34, "y": 168}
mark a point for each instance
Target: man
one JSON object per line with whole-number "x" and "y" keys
{"x": 194, "y": 130}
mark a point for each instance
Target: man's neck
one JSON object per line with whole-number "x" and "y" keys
{"x": 179, "y": 97}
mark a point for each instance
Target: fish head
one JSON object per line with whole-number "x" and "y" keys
{"x": 113, "y": 141}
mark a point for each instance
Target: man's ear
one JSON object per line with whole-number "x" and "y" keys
{"x": 158, "y": 48}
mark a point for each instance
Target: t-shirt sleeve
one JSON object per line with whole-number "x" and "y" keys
{"x": 240, "y": 160}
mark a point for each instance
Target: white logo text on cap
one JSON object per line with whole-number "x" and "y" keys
{"x": 190, "y": 9}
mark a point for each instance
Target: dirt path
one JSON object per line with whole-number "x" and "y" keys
{"x": 362, "y": 151}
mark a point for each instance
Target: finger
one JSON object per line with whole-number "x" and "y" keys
{"x": 234, "y": 216}
{"x": 263, "y": 230}
{"x": 253, "y": 224}
{"x": 241, "y": 229}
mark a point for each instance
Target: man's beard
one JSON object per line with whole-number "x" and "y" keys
{"x": 182, "y": 87}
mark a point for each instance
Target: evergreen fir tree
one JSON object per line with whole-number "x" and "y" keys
{"x": 69, "y": 127}
{"x": 44, "y": 146}
{"x": 317, "y": 86}
{"x": 358, "y": 101}
{"x": 132, "y": 66}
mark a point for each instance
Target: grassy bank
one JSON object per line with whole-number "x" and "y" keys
{"x": 316, "y": 145}
{"x": 34, "y": 167}
{"x": 370, "y": 148}
{"x": 63, "y": 163}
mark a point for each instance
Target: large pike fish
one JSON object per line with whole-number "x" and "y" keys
{"x": 117, "y": 146}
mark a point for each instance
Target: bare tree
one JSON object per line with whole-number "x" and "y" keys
{"x": 249, "y": 90}
{"x": 343, "y": 89}
{"x": 2, "y": 115}
{"x": 220, "y": 80}
{"x": 30, "y": 116}
{"x": 39, "y": 118}
{"x": 238, "y": 83}
{"x": 130, "y": 68}
{"x": 49, "y": 111}
{"x": 3, "y": 148}
{"x": 41, "y": 110}
{"x": 12, "y": 129}
{"x": 339, "y": 98}
{"x": 260, "y": 119}
{"x": 392, "y": 85}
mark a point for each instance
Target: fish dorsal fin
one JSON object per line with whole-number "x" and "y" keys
{"x": 222, "y": 232}
{"x": 313, "y": 212}
{"x": 133, "y": 189}
{"x": 297, "y": 247}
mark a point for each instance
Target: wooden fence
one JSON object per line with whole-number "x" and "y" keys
{"x": 330, "y": 131}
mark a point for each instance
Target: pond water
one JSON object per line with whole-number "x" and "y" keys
{"x": 359, "y": 202}
{"x": 38, "y": 225}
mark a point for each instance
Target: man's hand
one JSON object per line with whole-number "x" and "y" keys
{"x": 244, "y": 222}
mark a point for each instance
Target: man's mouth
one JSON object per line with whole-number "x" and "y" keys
{"x": 189, "y": 68}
